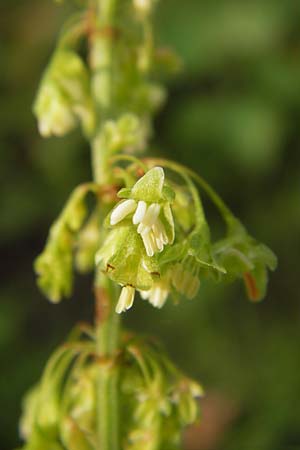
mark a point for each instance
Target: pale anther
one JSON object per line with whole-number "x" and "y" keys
{"x": 140, "y": 212}
{"x": 122, "y": 210}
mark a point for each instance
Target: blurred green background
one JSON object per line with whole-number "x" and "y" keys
{"x": 234, "y": 116}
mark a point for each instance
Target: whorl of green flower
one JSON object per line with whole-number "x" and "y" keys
{"x": 157, "y": 400}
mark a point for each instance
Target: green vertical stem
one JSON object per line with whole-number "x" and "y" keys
{"x": 107, "y": 338}
{"x": 107, "y": 322}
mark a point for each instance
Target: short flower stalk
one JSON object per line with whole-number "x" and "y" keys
{"x": 139, "y": 226}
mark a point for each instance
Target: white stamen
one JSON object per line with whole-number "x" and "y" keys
{"x": 148, "y": 244}
{"x": 140, "y": 212}
{"x": 151, "y": 214}
{"x": 145, "y": 294}
{"x": 159, "y": 244}
{"x": 160, "y": 232}
{"x": 143, "y": 229}
{"x": 126, "y": 299}
{"x": 122, "y": 210}
{"x": 158, "y": 296}
{"x": 153, "y": 241}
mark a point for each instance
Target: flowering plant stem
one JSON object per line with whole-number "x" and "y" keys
{"x": 107, "y": 336}
{"x": 145, "y": 232}
{"x": 107, "y": 322}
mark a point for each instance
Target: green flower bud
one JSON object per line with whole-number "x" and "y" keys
{"x": 53, "y": 111}
{"x": 54, "y": 266}
{"x": 186, "y": 396}
{"x": 63, "y": 97}
{"x": 149, "y": 98}
{"x": 29, "y": 407}
{"x": 244, "y": 257}
{"x": 128, "y": 133}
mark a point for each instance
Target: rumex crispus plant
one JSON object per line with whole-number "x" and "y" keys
{"x": 139, "y": 225}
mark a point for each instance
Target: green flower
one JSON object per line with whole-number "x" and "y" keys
{"x": 63, "y": 97}
{"x": 124, "y": 259}
{"x": 243, "y": 257}
{"x": 142, "y": 225}
{"x": 147, "y": 204}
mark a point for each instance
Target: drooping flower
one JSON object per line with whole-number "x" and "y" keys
{"x": 123, "y": 258}
{"x": 244, "y": 257}
{"x": 63, "y": 98}
{"x": 148, "y": 206}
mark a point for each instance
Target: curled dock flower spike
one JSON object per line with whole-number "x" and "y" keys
{"x": 147, "y": 205}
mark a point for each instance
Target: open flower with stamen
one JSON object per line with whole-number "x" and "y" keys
{"x": 123, "y": 258}
{"x": 147, "y": 205}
